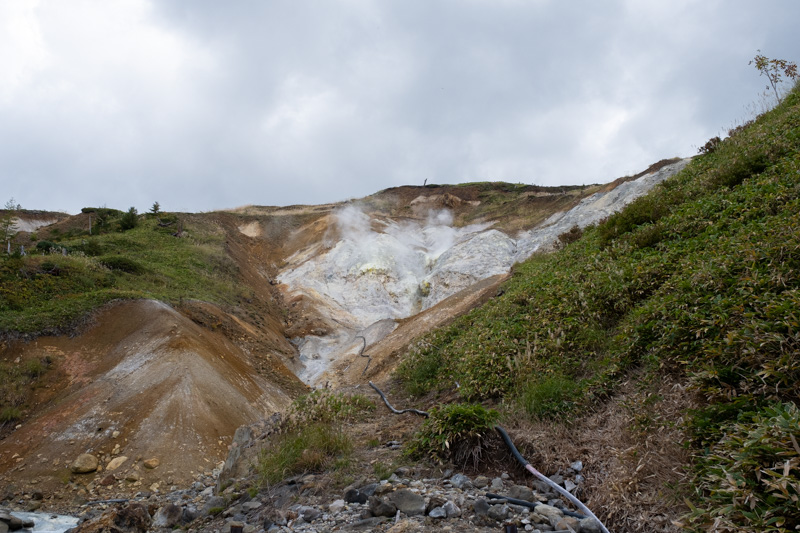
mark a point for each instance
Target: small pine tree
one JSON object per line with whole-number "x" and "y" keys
{"x": 129, "y": 220}
{"x": 156, "y": 209}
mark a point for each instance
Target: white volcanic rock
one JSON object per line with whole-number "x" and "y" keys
{"x": 376, "y": 277}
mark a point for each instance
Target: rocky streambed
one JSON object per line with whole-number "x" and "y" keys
{"x": 405, "y": 502}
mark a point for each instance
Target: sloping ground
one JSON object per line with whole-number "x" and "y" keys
{"x": 146, "y": 379}
{"x": 365, "y": 269}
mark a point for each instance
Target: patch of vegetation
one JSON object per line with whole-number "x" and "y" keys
{"x": 382, "y": 471}
{"x": 312, "y": 448}
{"x": 699, "y": 279}
{"x": 122, "y": 264}
{"x": 47, "y": 291}
{"x": 129, "y": 220}
{"x": 455, "y": 432}
{"x": 327, "y": 407}
{"x": 548, "y": 396}
{"x": 751, "y": 478}
{"x": 17, "y": 381}
{"x": 312, "y": 436}
{"x": 10, "y": 414}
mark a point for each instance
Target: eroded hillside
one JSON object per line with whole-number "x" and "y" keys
{"x": 159, "y": 341}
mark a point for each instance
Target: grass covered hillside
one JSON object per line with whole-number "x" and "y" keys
{"x": 68, "y": 273}
{"x": 696, "y": 282}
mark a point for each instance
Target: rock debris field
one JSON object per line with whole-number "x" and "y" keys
{"x": 402, "y": 503}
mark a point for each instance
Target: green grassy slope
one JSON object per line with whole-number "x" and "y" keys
{"x": 46, "y": 291}
{"x": 700, "y": 280}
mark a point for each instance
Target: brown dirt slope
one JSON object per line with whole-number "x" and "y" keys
{"x": 145, "y": 378}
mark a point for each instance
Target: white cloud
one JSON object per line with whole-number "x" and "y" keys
{"x": 205, "y": 104}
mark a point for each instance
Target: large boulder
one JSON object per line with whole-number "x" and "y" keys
{"x": 84, "y": 464}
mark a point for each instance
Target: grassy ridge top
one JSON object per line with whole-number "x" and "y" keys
{"x": 699, "y": 280}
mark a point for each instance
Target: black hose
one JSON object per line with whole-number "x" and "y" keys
{"x": 532, "y": 505}
{"x": 514, "y": 451}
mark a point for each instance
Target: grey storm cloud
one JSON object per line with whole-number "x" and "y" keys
{"x": 205, "y": 105}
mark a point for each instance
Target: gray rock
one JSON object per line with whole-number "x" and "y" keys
{"x": 590, "y": 525}
{"x": 3, "y": 527}
{"x": 569, "y": 485}
{"x": 521, "y": 492}
{"x": 168, "y": 515}
{"x": 190, "y": 513}
{"x": 481, "y": 507}
{"x": 577, "y": 466}
{"x": 438, "y": 512}
{"x": 497, "y": 484}
{"x": 480, "y": 482}
{"x": 251, "y": 506}
{"x": 337, "y": 506}
{"x": 452, "y": 510}
{"x": 381, "y": 507}
{"x": 213, "y": 503}
{"x": 356, "y": 496}
{"x": 558, "y": 479}
{"x": 499, "y": 512}
{"x": 84, "y": 464}
{"x": 410, "y": 503}
{"x": 368, "y": 490}
{"x": 460, "y": 481}
{"x": 308, "y": 513}
{"x": 552, "y": 514}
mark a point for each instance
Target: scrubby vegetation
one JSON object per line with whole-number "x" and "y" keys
{"x": 65, "y": 277}
{"x": 16, "y": 382}
{"x": 455, "y": 432}
{"x": 312, "y": 437}
{"x": 699, "y": 280}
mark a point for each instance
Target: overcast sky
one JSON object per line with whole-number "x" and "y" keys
{"x": 204, "y": 105}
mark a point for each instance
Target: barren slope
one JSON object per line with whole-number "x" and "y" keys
{"x": 149, "y": 380}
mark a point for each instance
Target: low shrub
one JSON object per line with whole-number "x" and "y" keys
{"x": 570, "y": 236}
{"x": 458, "y": 432}
{"x": 123, "y": 264}
{"x": 325, "y": 406}
{"x": 45, "y": 246}
{"x": 549, "y": 397}
{"x": 750, "y": 479}
{"x": 312, "y": 448}
{"x": 10, "y": 414}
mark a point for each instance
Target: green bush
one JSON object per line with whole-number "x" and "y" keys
{"x": 750, "y": 479}
{"x": 45, "y": 246}
{"x": 312, "y": 448}
{"x": 121, "y": 263}
{"x": 326, "y": 406}
{"x": 548, "y": 397}
{"x": 10, "y": 414}
{"x": 456, "y": 432}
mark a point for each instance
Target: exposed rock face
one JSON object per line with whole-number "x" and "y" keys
{"x": 379, "y": 271}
